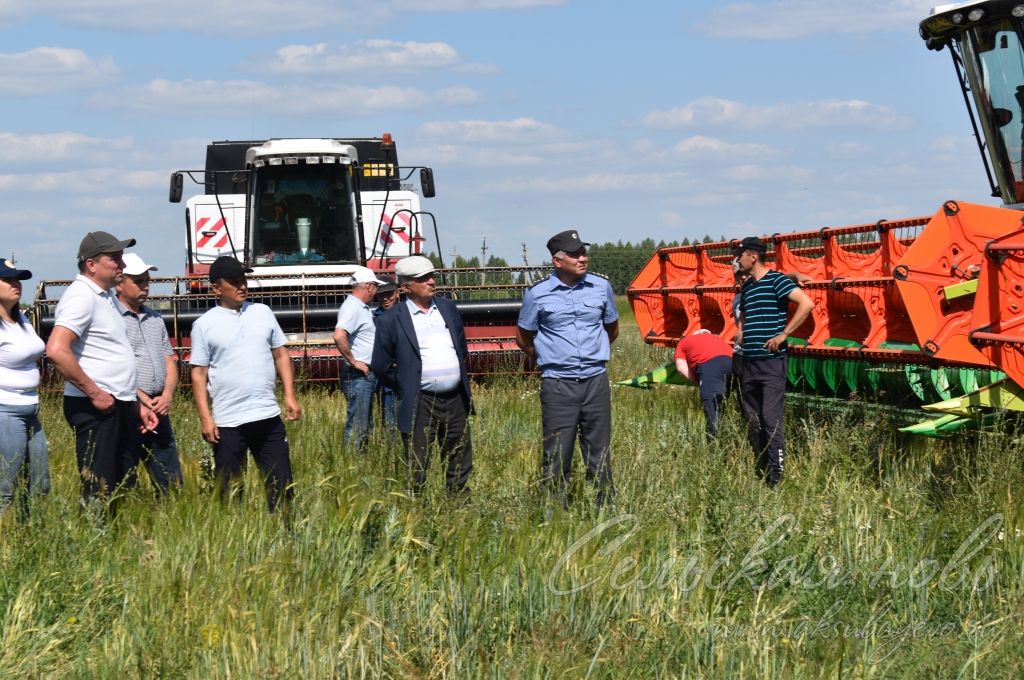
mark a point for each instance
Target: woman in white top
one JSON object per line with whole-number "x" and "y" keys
{"x": 23, "y": 454}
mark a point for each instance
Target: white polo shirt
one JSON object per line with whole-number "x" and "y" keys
{"x": 356, "y": 319}
{"x": 102, "y": 347}
{"x": 237, "y": 348}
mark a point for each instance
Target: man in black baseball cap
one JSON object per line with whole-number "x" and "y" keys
{"x": 566, "y": 242}
{"x": 96, "y": 243}
{"x": 764, "y": 328}
{"x": 226, "y": 267}
{"x": 575, "y": 397}
{"x": 751, "y": 243}
{"x": 237, "y": 347}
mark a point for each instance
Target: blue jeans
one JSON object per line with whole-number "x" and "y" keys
{"x": 358, "y": 390}
{"x": 388, "y": 406}
{"x": 23, "y": 453}
{"x": 160, "y": 452}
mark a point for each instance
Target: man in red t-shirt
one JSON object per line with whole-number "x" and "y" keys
{"x": 706, "y": 359}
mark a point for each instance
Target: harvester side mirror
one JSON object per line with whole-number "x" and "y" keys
{"x": 177, "y": 184}
{"x": 427, "y": 182}
{"x": 1001, "y": 117}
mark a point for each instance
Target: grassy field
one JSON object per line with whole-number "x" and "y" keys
{"x": 877, "y": 557}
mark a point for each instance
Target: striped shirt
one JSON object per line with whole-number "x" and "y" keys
{"x": 441, "y": 370}
{"x": 764, "y": 305}
{"x": 148, "y": 336}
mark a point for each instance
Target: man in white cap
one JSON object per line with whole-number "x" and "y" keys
{"x": 89, "y": 347}
{"x": 353, "y": 336}
{"x": 420, "y": 350}
{"x": 157, "y": 369}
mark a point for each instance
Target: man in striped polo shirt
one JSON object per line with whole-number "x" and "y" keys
{"x": 157, "y": 369}
{"x": 764, "y": 304}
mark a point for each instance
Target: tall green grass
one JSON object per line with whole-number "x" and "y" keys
{"x": 849, "y": 569}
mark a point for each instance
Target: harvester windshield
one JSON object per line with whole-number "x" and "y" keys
{"x": 984, "y": 37}
{"x": 304, "y": 213}
{"x": 995, "y": 67}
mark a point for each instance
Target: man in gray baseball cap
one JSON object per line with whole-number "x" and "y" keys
{"x": 96, "y": 243}
{"x": 90, "y": 348}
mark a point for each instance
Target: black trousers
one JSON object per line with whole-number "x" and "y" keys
{"x": 763, "y": 390}
{"x": 571, "y": 408}
{"x": 268, "y": 442}
{"x": 440, "y": 418}
{"x": 106, "y": 445}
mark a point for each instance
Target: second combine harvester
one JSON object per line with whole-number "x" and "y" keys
{"x": 919, "y": 310}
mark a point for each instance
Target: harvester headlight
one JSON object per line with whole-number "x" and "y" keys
{"x": 1018, "y": 11}
{"x": 312, "y": 160}
{"x": 329, "y": 159}
{"x": 957, "y": 18}
{"x": 291, "y": 160}
{"x": 976, "y": 14}
{"x": 259, "y": 163}
{"x": 274, "y": 161}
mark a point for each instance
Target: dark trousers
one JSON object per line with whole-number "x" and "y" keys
{"x": 267, "y": 441}
{"x": 160, "y": 453}
{"x": 712, "y": 377}
{"x": 106, "y": 445}
{"x": 440, "y": 418}
{"x": 571, "y": 408}
{"x": 763, "y": 388}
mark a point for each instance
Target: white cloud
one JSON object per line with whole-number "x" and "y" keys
{"x": 216, "y": 97}
{"x": 699, "y": 146}
{"x": 44, "y": 70}
{"x": 828, "y": 113}
{"x": 457, "y": 96}
{"x": 750, "y": 172}
{"x": 517, "y": 129}
{"x": 470, "y": 5}
{"x": 84, "y": 181}
{"x": 466, "y": 155}
{"x": 788, "y": 19}
{"x": 364, "y": 56}
{"x": 253, "y": 17}
{"x": 848, "y": 149}
{"x": 593, "y": 182}
{"x": 56, "y": 147}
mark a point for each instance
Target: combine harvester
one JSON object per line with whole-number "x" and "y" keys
{"x": 303, "y": 213}
{"x": 921, "y": 311}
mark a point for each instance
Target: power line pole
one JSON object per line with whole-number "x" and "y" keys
{"x": 483, "y": 262}
{"x": 455, "y": 263}
{"x": 527, "y": 277}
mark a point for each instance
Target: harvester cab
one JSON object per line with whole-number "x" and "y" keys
{"x": 302, "y": 206}
{"x": 985, "y": 41}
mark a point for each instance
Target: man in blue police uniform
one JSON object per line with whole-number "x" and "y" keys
{"x": 567, "y": 325}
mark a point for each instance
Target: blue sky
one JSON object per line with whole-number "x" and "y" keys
{"x": 624, "y": 120}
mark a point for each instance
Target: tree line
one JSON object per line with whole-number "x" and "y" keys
{"x": 618, "y": 261}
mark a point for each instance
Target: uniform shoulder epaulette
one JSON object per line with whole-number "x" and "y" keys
{"x": 599, "y": 274}
{"x": 537, "y": 283}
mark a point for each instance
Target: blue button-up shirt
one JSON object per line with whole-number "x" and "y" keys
{"x": 569, "y": 322}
